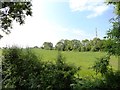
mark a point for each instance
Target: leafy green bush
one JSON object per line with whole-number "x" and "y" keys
{"x": 112, "y": 79}
{"x": 21, "y": 69}
{"x": 109, "y": 80}
{"x": 102, "y": 65}
{"x": 65, "y": 73}
{"x": 89, "y": 83}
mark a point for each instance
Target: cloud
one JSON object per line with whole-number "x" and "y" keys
{"x": 36, "y": 30}
{"x": 99, "y": 10}
{"x": 34, "y": 33}
{"x": 97, "y": 7}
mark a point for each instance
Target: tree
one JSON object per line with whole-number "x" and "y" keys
{"x": 47, "y": 45}
{"x": 96, "y": 44}
{"x": 103, "y": 45}
{"x": 60, "y": 46}
{"x": 35, "y": 47}
{"x": 68, "y": 45}
{"x": 84, "y": 44}
{"x": 113, "y": 34}
{"x": 64, "y": 45}
{"x": 76, "y": 45}
{"x": 88, "y": 47}
{"x": 13, "y": 11}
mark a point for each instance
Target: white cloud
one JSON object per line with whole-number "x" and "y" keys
{"x": 38, "y": 29}
{"x": 98, "y": 11}
{"x": 97, "y": 7}
{"x": 35, "y": 31}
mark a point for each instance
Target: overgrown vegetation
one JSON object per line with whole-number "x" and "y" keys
{"x": 22, "y": 69}
{"x": 109, "y": 80}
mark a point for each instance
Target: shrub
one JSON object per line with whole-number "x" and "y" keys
{"x": 89, "y": 83}
{"x": 21, "y": 69}
{"x": 65, "y": 74}
{"x": 113, "y": 80}
{"x": 110, "y": 80}
{"x": 102, "y": 65}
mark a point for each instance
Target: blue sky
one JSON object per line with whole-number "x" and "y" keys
{"x": 55, "y": 20}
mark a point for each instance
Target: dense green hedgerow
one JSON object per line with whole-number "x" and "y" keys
{"x": 22, "y": 69}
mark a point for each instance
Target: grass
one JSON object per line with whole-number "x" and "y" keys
{"x": 83, "y": 59}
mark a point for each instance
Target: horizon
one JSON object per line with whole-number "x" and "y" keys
{"x": 53, "y": 21}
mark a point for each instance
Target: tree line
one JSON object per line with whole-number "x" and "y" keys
{"x": 96, "y": 44}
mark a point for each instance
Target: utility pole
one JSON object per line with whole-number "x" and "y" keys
{"x": 96, "y": 36}
{"x": 96, "y": 33}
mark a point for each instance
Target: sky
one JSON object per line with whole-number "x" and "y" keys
{"x": 54, "y": 20}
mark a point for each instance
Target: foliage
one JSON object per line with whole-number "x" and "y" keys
{"x": 116, "y": 6}
{"x": 22, "y": 69}
{"x": 64, "y": 73}
{"x": 60, "y": 46}
{"x": 11, "y": 11}
{"x": 89, "y": 83}
{"x": 110, "y": 80}
{"x": 19, "y": 68}
{"x": 101, "y": 65}
{"x": 76, "y": 45}
{"x": 47, "y": 46}
{"x": 113, "y": 35}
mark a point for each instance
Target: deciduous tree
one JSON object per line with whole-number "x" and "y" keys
{"x": 47, "y": 45}
{"x": 13, "y": 11}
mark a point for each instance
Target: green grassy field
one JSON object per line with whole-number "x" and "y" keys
{"x": 83, "y": 59}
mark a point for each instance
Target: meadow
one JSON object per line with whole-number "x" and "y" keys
{"x": 83, "y": 59}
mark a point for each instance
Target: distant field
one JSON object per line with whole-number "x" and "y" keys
{"x": 83, "y": 59}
